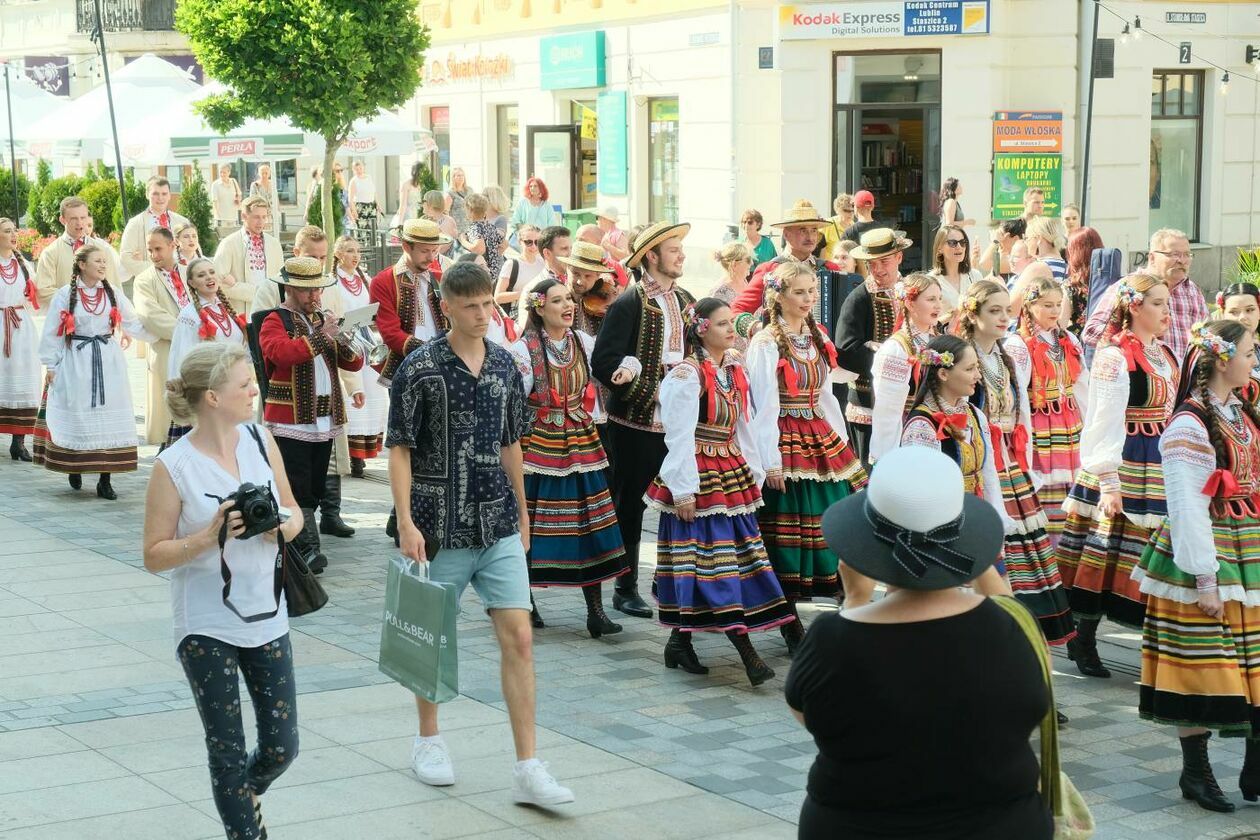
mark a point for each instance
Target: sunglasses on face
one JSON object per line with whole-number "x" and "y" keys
{"x": 955, "y": 243}
{"x": 529, "y": 241}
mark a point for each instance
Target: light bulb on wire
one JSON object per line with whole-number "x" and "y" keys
{"x": 1124, "y": 35}
{"x": 1137, "y": 29}
{"x": 1225, "y": 83}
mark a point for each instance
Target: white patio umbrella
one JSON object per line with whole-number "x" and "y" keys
{"x": 382, "y": 135}
{"x": 31, "y": 103}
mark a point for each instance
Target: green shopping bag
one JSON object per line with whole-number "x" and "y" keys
{"x": 418, "y": 647}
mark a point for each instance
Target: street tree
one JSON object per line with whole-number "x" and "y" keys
{"x": 321, "y": 63}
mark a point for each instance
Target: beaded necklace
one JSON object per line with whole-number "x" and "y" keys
{"x": 94, "y": 305}
{"x": 996, "y": 379}
{"x": 560, "y": 353}
{"x": 9, "y": 273}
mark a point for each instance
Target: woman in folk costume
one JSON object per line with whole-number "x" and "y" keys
{"x": 367, "y": 424}
{"x": 90, "y": 423}
{"x": 187, "y": 245}
{"x": 574, "y": 537}
{"x": 1118, "y": 497}
{"x": 1052, "y": 371}
{"x": 207, "y": 317}
{"x": 1201, "y": 570}
{"x": 895, "y": 371}
{"x": 1029, "y": 557}
{"x": 1241, "y": 302}
{"x": 801, "y": 436}
{"x": 712, "y": 572}
{"x": 19, "y": 359}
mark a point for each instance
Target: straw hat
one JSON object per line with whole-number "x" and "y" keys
{"x": 913, "y": 526}
{"x": 653, "y": 235}
{"x": 423, "y": 232}
{"x": 880, "y": 242}
{"x": 586, "y": 256}
{"x": 802, "y": 214}
{"x": 304, "y": 273}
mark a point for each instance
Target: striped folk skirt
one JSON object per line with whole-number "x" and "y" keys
{"x": 364, "y": 447}
{"x": 1029, "y": 557}
{"x": 573, "y": 535}
{"x": 59, "y": 459}
{"x": 791, "y": 524}
{"x": 17, "y": 421}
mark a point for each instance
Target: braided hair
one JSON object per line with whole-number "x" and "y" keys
{"x": 1196, "y": 373}
{"x": 908, "y": 290}
{"x": 978, "y": 295}
{"x": 1121, "y": 317}
{"x": 930, "y": 383}
{"x": 784, "y": 274}
{"x": 534, "y": 324}
{"x": 703, "y": 308}
{"x": 76, "y": 273}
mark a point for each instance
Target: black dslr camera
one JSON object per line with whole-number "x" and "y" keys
{"x": 257, "y": 508}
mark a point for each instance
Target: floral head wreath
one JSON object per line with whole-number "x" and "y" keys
{"x": 774, "y": 283}
{"x": 695, "y": 322}
{"x": 928, "y": 356}
{"x": 1031, "y": 294}
{"x": 1220, "y": 300}
{"x": 1128, "y": 294}
{"x": 971, "y": 304}
{"x": 536, "y": 300}
{"x": 1209, "y": 342}
{"x": 903, "y": 292}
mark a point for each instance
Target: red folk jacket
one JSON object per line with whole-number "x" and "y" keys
{"x": 399, "y": 307}
{"x": 289, "y": 348}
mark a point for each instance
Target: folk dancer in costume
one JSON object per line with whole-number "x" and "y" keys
{"x": 1241, "y": 302}
{"x": 89, "y": 422}
{"x": 366, "y": 430}
{"x": 895, "y": 373}
{"x": 161, "y": 294}
{"x": 800, "y": 434}
{"x": 55, "y": 266}
{"x": 712, "y": 571}
{"x": 19, "y": 358}
{"x": 246, "y": 258}
{"x": 1118, "y": 497}
{"x": 209, "y": 316}
{"x": 1201, "y": 571}
{"x": 133, "y": 247}
{"x": 1052, "y": 372}
{"x": 574, "y": 538}
{"x": 867, "y": 319}
{"x": 305, "y": 409}
{"x": 187, "y": 245}
{"x": 943, "y": 417}
{"x": 984, "y": 316}
{"x": 640, "y": 341}
{"x": 591, "y": 293}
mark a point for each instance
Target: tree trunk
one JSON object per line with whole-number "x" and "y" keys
{"x": 331, "y": 145}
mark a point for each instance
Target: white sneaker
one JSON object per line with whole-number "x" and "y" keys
{"x": 432, "y": 762}
{"x": 533, "y": 785}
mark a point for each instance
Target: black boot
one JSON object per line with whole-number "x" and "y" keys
{"x": 76, "y": 481}
{"x": 597, "y": 621}
{"x": 391, "y": 527}
{"x": 626, "y": 590}
{"x": 330, "y": 509}
{"x": 104, "y": 489}
{"x": 17, "y": 449}
{"x": 307, "y": 542}
{"x": 680, "y": 653}
{"x": 357, "y": 466}
{"x": 1249, "y": 779}
{"x": 1083, "y": 650}
{"x": 793, "y": 633}
{"x": 758, "y": 671}
{"x": 535, "y": 618}
{"x": 1197, "y": 781}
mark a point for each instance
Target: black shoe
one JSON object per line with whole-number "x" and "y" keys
{"x": 1249, "y": 779}
{"x": 680, "y": 653}
{"x": 793, "y": 634}
{"x": 17, "y": 449}
{"x": 76, "y": 481}
{"x": 535, "y": 618}
{"x": 356, "y": 467}
{"x": 332, "y": 525}
{"x": 601, "y": 625}
{"x": 630, "y": 603}
{"x": 1083, "y": 650}
{"x": 758, "y": 672}
{"x": 105, "y": 490}
{"x": 318, "y": 564}
{"x": 1197, "y": 781}
{"x": 391, "y": 528}
{"x": 1061, "y": 718}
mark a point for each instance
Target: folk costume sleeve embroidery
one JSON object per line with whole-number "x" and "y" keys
{"x": 1189, "y": 460}
{"x": 1102, "y": 439}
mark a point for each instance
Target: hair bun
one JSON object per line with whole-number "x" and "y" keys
{"x": 175, "y": 386}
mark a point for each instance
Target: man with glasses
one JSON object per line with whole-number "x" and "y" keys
{"x": 1169, "y": 259}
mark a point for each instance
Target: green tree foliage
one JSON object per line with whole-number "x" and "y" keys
{"x": 45, "y": 218}
{"x": 101, "y": 197}
{"x": 321, "y": 63}
{"x": 315, "y": 215}
{"x": 194, "y": 202}
{"x": 137, "y": 199}
{"x": 43, "y": 174}
{"x": 7, "y": 209}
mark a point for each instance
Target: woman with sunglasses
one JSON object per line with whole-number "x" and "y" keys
{"x": 952, "y": 269}
{"x": 519, "y": 271}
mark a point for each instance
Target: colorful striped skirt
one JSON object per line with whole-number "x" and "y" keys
{"x": 726, "y": 484}
{"x": 40, "y": 435}
{"x": 573, "y": 534}
{"x": 712, "y": 574}
{"x": 558, "y": 443}
{"x": 812, "y": 450}
{"x": 117, "y": 460}
{"x": 1056, "y": 439}
{"x": 364, "y": 447}
{"x": 791, "y": 525}
{"x": 1052, "y": 497}
{"x": 1237, "y": 540}
{"x": 1141, "y": 484}
{"x": 1096, "y": 559}
{"x": 17, "y": 421}
{"x": 1029, "y": 557}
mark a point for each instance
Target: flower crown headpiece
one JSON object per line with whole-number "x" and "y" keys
{"x": 694, "y": 321}
{"x": 1128, "y": 294}
{"x": 971, "y": 304}
{"x": 1210, "y": 342}
{"x": 903, "y": 292}
{"x": 928, "y": 356}
{"x": 774, "y": 282}
{"x": 1220, "y": 300}
{"x": 536, "y": 300}
{"x": 1031, "y": 294}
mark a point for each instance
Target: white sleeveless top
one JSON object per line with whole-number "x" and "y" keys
{"x": 197, "y": 586}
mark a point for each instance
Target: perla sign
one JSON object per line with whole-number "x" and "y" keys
{"x": 883, "y": 19}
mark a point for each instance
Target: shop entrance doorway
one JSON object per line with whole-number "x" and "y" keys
{"x": 552, "y": 152}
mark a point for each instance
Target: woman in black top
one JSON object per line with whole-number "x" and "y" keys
{"x": 921, "y": 704}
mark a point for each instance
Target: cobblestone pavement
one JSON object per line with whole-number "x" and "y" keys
{"x": 98, "y": 736}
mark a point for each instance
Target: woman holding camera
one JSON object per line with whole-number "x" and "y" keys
{"x": 193, "y": 528}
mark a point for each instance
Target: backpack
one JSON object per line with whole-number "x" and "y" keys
{"x": 255, "y": 348}
{"x": 1104, "y": 270}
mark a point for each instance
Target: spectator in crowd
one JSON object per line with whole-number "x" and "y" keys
{"x": 433, "y": 208}
{"x": 519, "y": 271}
{"x": 840, "y": 222}
{"x": 614, "y": 241}
{"x": 951, "y": 266}
{"x": 762, "y": 247}
{"x": 735, "y": 258}
{"x": 499, "y": 206}
{"x": 864, "y": 210}
{"x": 410, "y": 194}
{"x": 1034, "y": 203}
{"x": 1082, "y": 243}
{"x": 534, "y": 206}
{"x": 225, "y": 195}
{"x": 265, "y": 188}
{"x": 456, "y": 199}
{"x": 1046, "y": 242}
{"x": 556, "y": 242}
{"x": 951, "y": 210}
{"x": 361, "y": 194}
{"x": 1071, "y": 218}
{"x": 996, "y": 259}
{"x": 481, "y": 237}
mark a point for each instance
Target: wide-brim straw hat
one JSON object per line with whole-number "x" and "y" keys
{"x": 914, "y": 526}
{"x": 880, "y": 242}
{"x": 586, "y": 256}
{"x": 653, "y": 235}
{"x": 423, "y": 232}
{"x": 304, "y": 273}
{"x": 802, "y": 214}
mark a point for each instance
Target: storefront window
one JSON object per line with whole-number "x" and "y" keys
{"x": 586, "y": 166}
{"x": 509, "y": 149}
{"x": 1176, "y": 142}
{"x": 663, "y": 158}
{"x": 440, "y": 125}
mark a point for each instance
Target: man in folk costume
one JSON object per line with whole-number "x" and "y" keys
{"x": 246, "y": 258}
{"x": 133, "y": 247}
{"x": 56, "y": 261}
{"x": 407, "y": 292}
{"x": 591, "y": 292}
{"x": 304, "y": 407}
{"x": 640, "y": 340}
{"x": 866, "y": 320}
{"x": 160, "y": 293}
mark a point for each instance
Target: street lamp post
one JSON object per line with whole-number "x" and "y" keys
{"x": 8, "y": 107}
{"x": 98, "y": 35}
{"x": 1089, "y": 117}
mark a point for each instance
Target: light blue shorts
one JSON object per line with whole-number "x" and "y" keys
{"x": 498, "y": 572}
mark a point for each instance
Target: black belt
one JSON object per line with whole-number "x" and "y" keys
{"x": 98, "y": 366}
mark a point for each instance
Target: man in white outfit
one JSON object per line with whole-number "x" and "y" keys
{"x": 133, "y": 248}
{"x": 247, "y": 258}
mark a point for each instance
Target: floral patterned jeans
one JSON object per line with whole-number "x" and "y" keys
{"x": 212, "y": 668}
